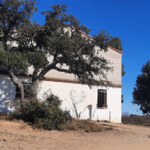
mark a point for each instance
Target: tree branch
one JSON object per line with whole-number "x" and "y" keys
{"x": 44, "y": 71}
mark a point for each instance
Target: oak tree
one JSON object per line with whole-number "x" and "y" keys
{"x": 62, "y": 39}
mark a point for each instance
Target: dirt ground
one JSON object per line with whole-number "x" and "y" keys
{"x": 20, "y": 136}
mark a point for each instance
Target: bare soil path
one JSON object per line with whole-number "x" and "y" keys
{"x": 20, "y": 136}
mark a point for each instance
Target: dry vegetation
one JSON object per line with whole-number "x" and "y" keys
{"x": 5, "y": 116}
{"x": 136, "y": 120}
{"x": 85, "y": 125}
{"x": 74, "y": 125}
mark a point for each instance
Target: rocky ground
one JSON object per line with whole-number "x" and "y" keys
{"x": 16, "y": 135}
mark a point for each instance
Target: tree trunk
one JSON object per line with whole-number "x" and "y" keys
{"x": 35, "y": 88}
{"x": 18, "y": 83}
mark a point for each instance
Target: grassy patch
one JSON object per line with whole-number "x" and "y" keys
{"x": 136, "y": 120}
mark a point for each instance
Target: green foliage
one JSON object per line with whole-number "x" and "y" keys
{"x": 141, "y": 94}
{"x": 14, "y": 60}
{"x": 123, "y": 72}
{"x": 66, "y": 46}
{"x": 116, "y": 43}
{"x": 14, "y": 14}
{"x": 122, "y": 98}
{"x": 45, "y": 114}
{"x": 52, "y": 101}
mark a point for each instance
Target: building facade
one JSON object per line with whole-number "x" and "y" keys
{"x": 95, "y": 103}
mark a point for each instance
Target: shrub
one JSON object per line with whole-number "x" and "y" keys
{"x": 44, "y": 114}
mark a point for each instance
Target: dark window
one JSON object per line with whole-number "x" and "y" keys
{"x": 102, "y": 98}
{"x": 27, "y": 90}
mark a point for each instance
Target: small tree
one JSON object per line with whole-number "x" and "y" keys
{"x": 141, "y": 93}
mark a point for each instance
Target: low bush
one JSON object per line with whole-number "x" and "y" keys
{"x": 43, "y": 114}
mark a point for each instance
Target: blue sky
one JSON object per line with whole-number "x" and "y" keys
{"x": 127, "y": 19}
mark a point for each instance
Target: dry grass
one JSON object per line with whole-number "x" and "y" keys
{"x": 75, "y": 125}
{"x": 136, "y": 120}
{"x": 83, "y": 125}
{"x": 5, "y": 116}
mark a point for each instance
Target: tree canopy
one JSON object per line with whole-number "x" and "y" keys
{"x": 60, "y": 38}
{"x": 141, "y": 94}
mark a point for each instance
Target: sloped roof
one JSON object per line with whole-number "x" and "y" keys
{"x": 93, "y": 39}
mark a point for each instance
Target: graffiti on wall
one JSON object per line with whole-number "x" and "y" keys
{"x": 76, "y": 99}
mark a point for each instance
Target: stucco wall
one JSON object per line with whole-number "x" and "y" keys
{"x": 84, "y": 100}
{"x": 116, "y": 59}
{"x": 73, "y": 96}
{"x": 8, "y": 92}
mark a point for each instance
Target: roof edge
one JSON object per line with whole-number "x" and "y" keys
{"x": 116, "y": 50}
{"x": 93, "y": 39}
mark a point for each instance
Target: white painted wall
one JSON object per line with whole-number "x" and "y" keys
{"x": 84, "y": 98}
{"x": 8, "y": 92}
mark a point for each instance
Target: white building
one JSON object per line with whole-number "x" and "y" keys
{"x": 97, "y": 103}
